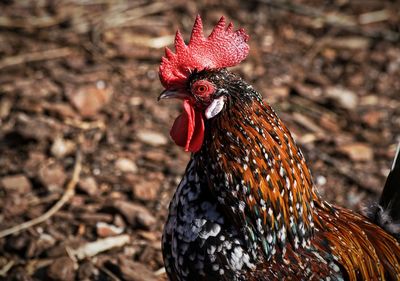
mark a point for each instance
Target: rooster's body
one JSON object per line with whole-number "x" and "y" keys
{"x": 246, "y": 208}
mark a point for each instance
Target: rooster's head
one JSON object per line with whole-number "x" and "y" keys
{"x": 191, "y": 74}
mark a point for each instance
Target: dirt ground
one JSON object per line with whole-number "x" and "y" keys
{"x": 84, "y": 145}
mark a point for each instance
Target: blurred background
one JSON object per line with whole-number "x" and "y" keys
{"x": 84, "y": 145}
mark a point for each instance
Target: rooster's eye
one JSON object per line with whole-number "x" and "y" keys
{"x": 203, "y": 88}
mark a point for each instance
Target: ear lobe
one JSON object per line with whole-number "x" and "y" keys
{"x": 215, "y": 107}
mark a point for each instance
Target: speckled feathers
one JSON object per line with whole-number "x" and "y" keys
{"x": 248, "y": 196}
{"x": 247, "y": 208}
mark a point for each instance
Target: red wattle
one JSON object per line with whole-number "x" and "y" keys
{"x": 198, "y": 135}
{"x": 182, "y": 130}
{"x": 188, "y": 128}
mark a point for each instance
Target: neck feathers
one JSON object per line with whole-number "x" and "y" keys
{"x": 257, "y": 172}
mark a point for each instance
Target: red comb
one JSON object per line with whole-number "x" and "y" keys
{"x": 223, "y": 48}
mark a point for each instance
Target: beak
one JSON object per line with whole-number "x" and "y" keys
{"x": 172, "y": 94}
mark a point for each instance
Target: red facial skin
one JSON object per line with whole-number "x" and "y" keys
{"x": 202, "y": 91}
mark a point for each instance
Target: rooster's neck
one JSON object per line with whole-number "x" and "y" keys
{"x": 257, "y": 172}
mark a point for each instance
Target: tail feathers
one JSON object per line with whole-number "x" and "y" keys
{"x": 382, "y": 217}
{"x": 387, "y": 213}
{"x": 390, "y": 198}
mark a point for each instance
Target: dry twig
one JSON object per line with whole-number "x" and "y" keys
{"x": 160, "y": 271}
{"x": 118, "y": 17}
{"x": 30, "y": 22}
{"x": 342, "y": 21}
{"x": 6, "y": 268}
{"x": 69, "y": 192}
{"x": 93, "y": 248}
{"x": 35, "y": 56}
{"x": 84, "y": 125}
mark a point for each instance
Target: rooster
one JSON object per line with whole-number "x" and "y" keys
{"x": 247, "y": 207}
